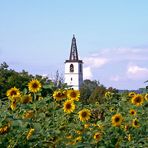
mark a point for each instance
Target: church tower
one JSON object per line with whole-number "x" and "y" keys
{"x": 74, "y": 68}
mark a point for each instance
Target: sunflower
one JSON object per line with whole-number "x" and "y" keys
{"x": 131, "y": 94}
{"x": 126, "y": 127}
{"x": 129, "y": 137}
{"x": 34, "y": 86}
{"x": 84, "y": 114}
{"x": 79, "y": 138}
{"x": 79, "y": 132}
{"x": 117, "y": 120}
{"x": 58, "y": 95}
{"x": 30, "y": 133}
{"x": 13, "y": 92}
{"x": 73, "y": 94}
{"x": 86, "y": 125}
{"x": 28, "y": 114}
{"x": 146, "y": 97}
{"x": 111, "y": 109}
{"x": 100, "y": 126}
{"x": 132, "y": 112}
{"x": 137, "y": 100}
{"x": 26, "y": 99}
{"x": 97, "y": 136}
{"x": 40, "y": 98}
{"x": 16, "y": 98}
{"x": 69, "y": 106}
{"x": 4, "y": 129}
{"x": 135, "y": 123}
{"x": 13, "y": 105}
{"x": 108, "y": 94}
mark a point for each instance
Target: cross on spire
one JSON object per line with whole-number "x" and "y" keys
{"x": 73, "y": 52}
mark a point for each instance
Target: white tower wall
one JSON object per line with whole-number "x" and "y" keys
{"x": 75, "y": 78}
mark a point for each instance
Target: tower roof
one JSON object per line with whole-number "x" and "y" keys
{"x": 73, "y": 52}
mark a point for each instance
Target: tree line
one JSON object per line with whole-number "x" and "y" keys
{"x": 10, "y": 78}
{"x": 91, "y": 91}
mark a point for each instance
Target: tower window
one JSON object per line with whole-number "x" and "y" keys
{"x": 71, "y": 68}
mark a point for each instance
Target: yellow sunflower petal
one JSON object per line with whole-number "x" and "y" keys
{"x": 84, "y": 114}
{"x": 59, "y": 95}
{"x": 26, "y": 99}
{"x": 34, "y": 86}
{"x": 132, "y": 112}
{"x": 135, "y": 123}
{"x": 13, "y": 92}
{"x": 146, "y": 97}
{"x": 69, "y": 106}
{"x": 97, "y": 136}
{"x": 137, "y": 100}
{"x": 117, "y": 119}
{"x": 73, "y": 95}
{"x": 131, "y": 94}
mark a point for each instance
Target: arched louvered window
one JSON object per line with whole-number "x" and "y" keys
{"x": 71, "y": 68}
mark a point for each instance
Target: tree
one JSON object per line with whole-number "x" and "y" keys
{"x": 58, "y": 80}
{"x": 87, "y": 88}
{"x": 4, "y": 65}
{"x": 10, "y": 78}
{"x": 97, "y": 94}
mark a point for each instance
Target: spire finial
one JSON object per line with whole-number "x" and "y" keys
{"x": 73, "y": 35}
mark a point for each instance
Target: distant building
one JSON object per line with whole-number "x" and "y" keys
{"x": 74, "y": 68}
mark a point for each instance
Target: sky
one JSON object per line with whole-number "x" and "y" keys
{"x": 112, "y": 38}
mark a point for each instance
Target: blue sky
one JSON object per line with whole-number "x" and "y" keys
{"x": 111, "y": 38}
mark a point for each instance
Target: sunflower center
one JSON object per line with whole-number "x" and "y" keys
{"x": 59, "y": 94}
{"x": 63, "y": 95}
{"x": 13, "y": 92}
{"x": 35, "y": 85}
{"x": 132, "y": 112}
{"x": 97, "y": 136}
{"x": 68, "y": 105}
{"x": 73, "y": 94}
{"x": 84, "y": 114}
{"x": 138, "y": 100}
{"x": 135, "y": 122}
{"x": 117, "y": 119}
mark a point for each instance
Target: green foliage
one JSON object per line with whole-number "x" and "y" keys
{"x": 93, "y": 91}
{"x": 54, "y": 128}
{"x": 87, "y": 88}
{"x": 97, "y": 94}
{"x": 10, "y": 78}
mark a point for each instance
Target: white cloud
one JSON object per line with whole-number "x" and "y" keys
{"x": 119, "y": 54}
{"x": 87, "y": 73}
{"x": 95, "y": 62}
{"x": 136, "y": 72}
{"x": 118, "y": 67}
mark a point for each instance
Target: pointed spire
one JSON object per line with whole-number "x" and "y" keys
{"x": 73, "y": 52}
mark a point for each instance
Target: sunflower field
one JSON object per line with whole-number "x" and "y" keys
{"x": 60, "y": 119}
